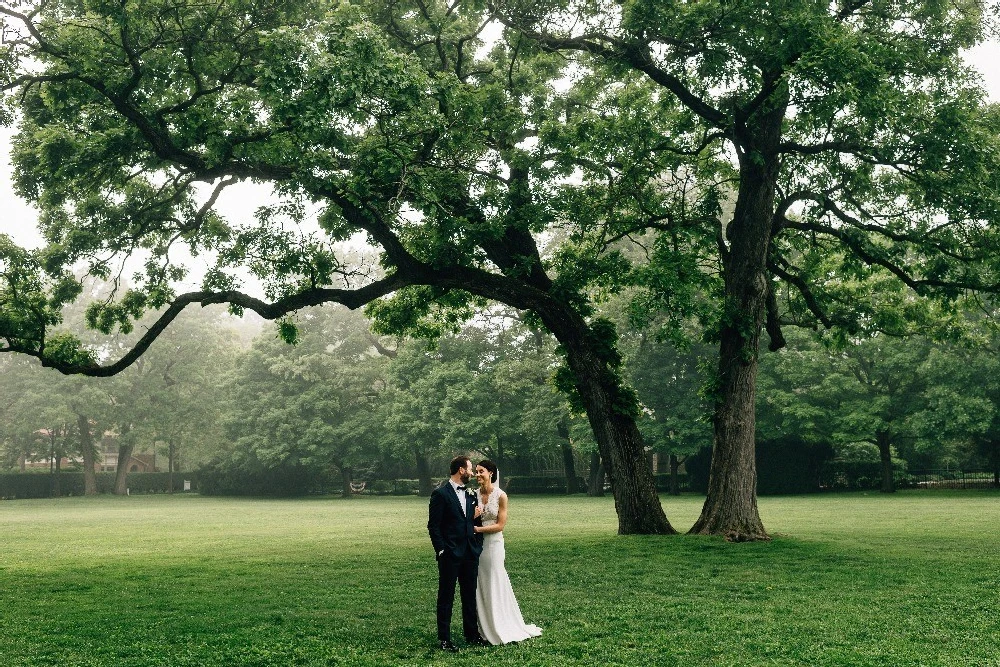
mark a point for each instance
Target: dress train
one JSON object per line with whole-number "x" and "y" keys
{"x": 500, "y": 620}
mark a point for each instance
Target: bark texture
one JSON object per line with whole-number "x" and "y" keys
{"x": 675, "y": 464}
{"x": 632, "y": 484}
{"x": 125, "y": 449}
{"x": 730, "y": 509}
{"x": 89, "y": 453}
{"x": 595, "y": 487}
{"x": 569, "y": 464}
{"x": 883, "y": 441}
{"x": 424, "y": 474}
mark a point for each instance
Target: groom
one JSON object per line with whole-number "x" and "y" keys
{"x": 453, "y": 513}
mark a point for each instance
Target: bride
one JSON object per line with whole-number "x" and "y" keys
{"x": 500, "y": 620}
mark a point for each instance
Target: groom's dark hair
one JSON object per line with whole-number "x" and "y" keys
{"x": 457, "y": 463}
{"x": 492, "y": 467}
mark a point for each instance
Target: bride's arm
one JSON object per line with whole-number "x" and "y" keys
{"x": 501, "y": 518}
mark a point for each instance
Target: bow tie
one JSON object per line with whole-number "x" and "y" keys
{"x": 460, "y": 488}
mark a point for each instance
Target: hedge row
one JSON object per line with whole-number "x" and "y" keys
{"x": 515, "y": 484}
{"x": 42, "y": 485}
{"x": 285, "y": 482}
{"x": 530, "y": 484}
{"x": 397, "y": 487}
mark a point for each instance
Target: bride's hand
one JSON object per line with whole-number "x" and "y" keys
{"x": 479, "y": 511}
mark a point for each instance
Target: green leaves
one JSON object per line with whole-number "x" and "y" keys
{"x": 928, "y": 400}
{"x": 313, "y": 404}
{"x": 485, "y": 389}
{"x": 66, "y": 349}
{"x": 288, "y": 331}
{"x": 109, "y": 315}
{"x": 30, "y": 301}
{"x": 422, "y": 312}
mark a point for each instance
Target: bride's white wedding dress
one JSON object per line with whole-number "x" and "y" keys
{"x": 500, "y": 620}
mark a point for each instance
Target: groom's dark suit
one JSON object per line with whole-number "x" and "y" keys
{"x": 457, "y": 547}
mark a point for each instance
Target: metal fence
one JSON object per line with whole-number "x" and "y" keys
{"x": 867, "y": 476}
{"x": 947, "y": 479}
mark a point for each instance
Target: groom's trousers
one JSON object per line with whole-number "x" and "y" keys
{"x": 465, "y": 571}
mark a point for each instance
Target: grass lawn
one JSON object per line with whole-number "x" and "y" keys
{"x": 853, "y": 580}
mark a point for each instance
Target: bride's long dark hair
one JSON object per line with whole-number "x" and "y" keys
{"x": 492, "y": 467}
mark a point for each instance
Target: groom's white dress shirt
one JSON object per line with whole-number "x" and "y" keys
{"x": 460, "y": 493}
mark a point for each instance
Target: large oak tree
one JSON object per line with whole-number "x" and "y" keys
{"x": 135, "y": 116}
{"x": 852, "y": 129}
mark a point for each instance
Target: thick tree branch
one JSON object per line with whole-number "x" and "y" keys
{"x": 515, "y": 252}
{"x": 270, "y": 311}
{"x": 380, "y": 348}
{"x": 798, "y": 283}
{"x": 773, "y": 323}
{"x": 781, "y": 221}
{"x": 859, "y": 249}
{"x": 637, "y": 58}
{"x": 821, "y": 148}
{"x": 365, "y": 218}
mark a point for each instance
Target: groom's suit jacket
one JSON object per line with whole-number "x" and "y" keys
{"x": 452, "y": 531}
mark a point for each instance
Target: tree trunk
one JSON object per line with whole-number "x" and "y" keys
{"x": 23, "y": 450}
{"x": 572, "y": 483}
{"x": 346, "y": 477}
{"x": 595, "y": 488}
{"x": 996, "y": 464}
{"x": 885, "y": 455}
{"x": 730, "y": 509}
{"x": 593, "y": 361}
{"x": 55, "y": 467}
{"x": 994, "y": 458}
{"x": 53, "y": 480}
{"x": 89, "y": 453}
{"x": 424, "y": 474}
{"x": 57, "y": 478}
{"x": 624, "y": 457}
{"x": 125, "y": 449}
{"x": 502, "y": 481}
{"x": 170, "y": 465}
{"x": 611, "y": 410}
{"x": 675, "y": 464}
{"x": 569, "y": 463}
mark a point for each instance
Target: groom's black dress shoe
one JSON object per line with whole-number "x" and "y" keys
{"x": 479, "y": 641}
{"x": 448, "y": 646}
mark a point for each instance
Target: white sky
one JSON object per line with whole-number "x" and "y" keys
{"x": 17, "y": 217}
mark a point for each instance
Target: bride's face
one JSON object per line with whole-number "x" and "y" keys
{"x": 482, "y": 475}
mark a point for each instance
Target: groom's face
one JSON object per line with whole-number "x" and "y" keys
{"x": 466, "y": 472}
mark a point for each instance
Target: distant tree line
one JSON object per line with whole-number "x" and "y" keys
{"x": 257, "y": 416}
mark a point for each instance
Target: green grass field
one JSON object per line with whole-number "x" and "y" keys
{"x": 909, "y": 579}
